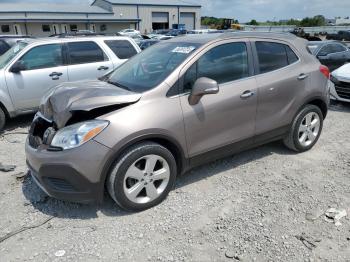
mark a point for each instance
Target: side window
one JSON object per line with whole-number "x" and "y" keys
{"x": 85, "y": 52}
{"x": 338, "y": 48}
{"x": 223, "y": 64}
{"x": 326, "y": 50}
{"x": 292, "y": 57}
{"x": 121, "y": 48}
{"x": 272, "y": 56}
{"x": 45, "y": 56}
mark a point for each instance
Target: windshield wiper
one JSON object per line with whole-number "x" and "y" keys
{"x": 118, "y": 85}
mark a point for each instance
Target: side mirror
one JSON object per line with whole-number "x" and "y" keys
{"x": 203, "y": 86}
{"x": 18, "y": 67}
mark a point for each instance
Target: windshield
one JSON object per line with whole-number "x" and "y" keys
{"x": 149, "y": 68}
{"x": 11, "y": 53}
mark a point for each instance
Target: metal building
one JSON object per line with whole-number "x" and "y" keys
{"x": 102, "y": 16}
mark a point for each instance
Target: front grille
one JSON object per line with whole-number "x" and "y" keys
{"x": 59, "y": 184}
{"x": 343, "y": 90}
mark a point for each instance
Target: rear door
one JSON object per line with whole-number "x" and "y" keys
{"x": 44, "y": 69}
{"x": 227, "y": 117}
{"x": 280, "y": 78}
{"x": 87, "y": 60}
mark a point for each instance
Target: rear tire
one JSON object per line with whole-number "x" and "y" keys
{"x": 142, "y": 177}
{"x": 306, "y": 129}
{"x": 2, "y": 119}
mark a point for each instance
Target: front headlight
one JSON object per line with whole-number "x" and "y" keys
{"x": 78, "y": 134}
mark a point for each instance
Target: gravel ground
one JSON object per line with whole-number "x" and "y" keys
{"x": 265, "y": 204}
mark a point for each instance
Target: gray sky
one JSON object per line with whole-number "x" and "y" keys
{"x": 262, "y": 10}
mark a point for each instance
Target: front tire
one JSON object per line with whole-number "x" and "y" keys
{"x": 142, "y": 177}
{"x": 2, "y": 119}
{"x": 306, "y": 129}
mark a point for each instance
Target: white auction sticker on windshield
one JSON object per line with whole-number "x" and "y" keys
{"x": 183, "y": 49}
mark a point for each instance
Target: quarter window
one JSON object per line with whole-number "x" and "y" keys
{"x": 45, "y": 56}
{"x": 273, "y": 56}
{"x": 223, "y": 64}
{"x": 121, "y": 48}
{"x": 85, "y": 52}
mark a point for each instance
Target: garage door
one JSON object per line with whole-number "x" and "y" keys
{"x": 160, "y": 20}
{"x": 188, "y": 19}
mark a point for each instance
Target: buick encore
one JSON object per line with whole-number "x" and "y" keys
{"x": 178, "y": 104}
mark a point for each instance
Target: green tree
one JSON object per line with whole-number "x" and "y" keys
{"x": 253, "y": 22}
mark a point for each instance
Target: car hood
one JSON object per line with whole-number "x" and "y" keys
{"x": 62, "y": 101}
{"x": 342, "y": 73}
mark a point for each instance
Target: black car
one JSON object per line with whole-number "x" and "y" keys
{"x": 341, "y": 36}
{"x": 332, "y": 54}
{"x": 147, "y": 43}
{"x": 7, "y": 41}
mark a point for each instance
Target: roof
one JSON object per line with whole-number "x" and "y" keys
{"x": 206, "y": 38}
{"x": 154, "y": 2}
{"x": 48, "y": 40}
{"x": 23, "y": 7}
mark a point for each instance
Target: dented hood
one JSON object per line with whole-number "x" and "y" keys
{"x": 65, "y": 99}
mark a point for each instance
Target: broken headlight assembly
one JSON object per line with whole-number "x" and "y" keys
{"x": 78, "y": 134}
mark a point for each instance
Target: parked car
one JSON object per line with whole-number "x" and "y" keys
{"x": 332, "y": 54}
{"x": 139, "y": 38}
{"x": 147, "y": 43}
{"x": 176, "y": 105}
{"x": 32, "y": 67}
{"x": 129, "y": 32}
{"x": 343, "y": 35}
{"x": 340, "y": 90}
{"x": 7, "y": 41}
{"x": 176, "y": 32}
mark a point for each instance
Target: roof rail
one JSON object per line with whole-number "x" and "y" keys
{"x": 76, "y": 34}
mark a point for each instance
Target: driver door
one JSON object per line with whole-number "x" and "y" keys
{"x": 227, "y": 117}
{"x": 43, "y": 69}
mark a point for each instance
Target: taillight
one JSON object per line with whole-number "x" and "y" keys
{"x": 325, "y": 71}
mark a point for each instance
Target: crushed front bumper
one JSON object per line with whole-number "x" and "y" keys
{"x": 72, "y": 175}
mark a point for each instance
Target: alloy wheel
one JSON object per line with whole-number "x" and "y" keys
{"x": 146, "y": 179}
{"x": 309, "y": 129}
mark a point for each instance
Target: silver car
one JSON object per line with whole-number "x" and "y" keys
{"x": 32, "y": 67}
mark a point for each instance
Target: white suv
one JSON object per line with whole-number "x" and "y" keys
{"x": 32, "y": 67}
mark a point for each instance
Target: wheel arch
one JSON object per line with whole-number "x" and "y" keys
{"x": 320, "y": 103}
{"x": 2, "y": 106}
{"x": 171, "y": 144}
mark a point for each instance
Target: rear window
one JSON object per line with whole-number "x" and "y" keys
{"x": 121, "y": 48}
{"x": 85, "y": 52}
{"x": 273, "y": 56}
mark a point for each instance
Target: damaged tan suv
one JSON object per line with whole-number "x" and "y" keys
{"x": 177, "y": 105}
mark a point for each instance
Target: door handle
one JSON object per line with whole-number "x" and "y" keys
{"x": 55, "y": 74}
{"x": 302, "y": 76}
{"x": 247, "y": 94}
{"x": 103, "y": 68}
